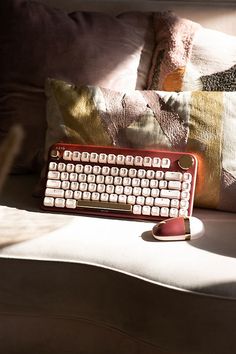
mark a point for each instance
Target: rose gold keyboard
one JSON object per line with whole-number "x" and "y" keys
{"x": 119, "y": 182}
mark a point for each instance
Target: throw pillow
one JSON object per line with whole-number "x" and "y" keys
{"x": 199, "y": 122}
{"x": 38, "y": 41}
{"x": 190, "y": 57}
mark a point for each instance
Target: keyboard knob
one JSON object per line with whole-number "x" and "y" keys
{"x": 185, "y": 162}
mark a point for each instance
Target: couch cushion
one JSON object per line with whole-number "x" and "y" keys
{"x": 79, "y": 277}
{"x": 37, "y": 41}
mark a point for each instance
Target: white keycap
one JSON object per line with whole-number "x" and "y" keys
{"x": 93, "y": 157}
{"x": 128, "y": 190}
{"x": 68, "y": 194}
{"x": 113, "y": 198}
{"x": 146, "y": 210}
{"x": 174, "y": 203}
{"x": 102, "y": 158}
{"x": 132, "y": 172}
{"x": 96, "y": 170}
{"x": 150, "y": 174}
{"x": 65, "y": 185}
{"x": 74, "y": 186}
{"x": 60, "y": 202}
{"x": 172, "y": 194}
{"x": 117, "y": 181}
{"x": 164, "y": 212}
{"x": 155, "y": 211}
{"x": 119, "y": 189}
{"x": 110, "y": 188}
{"x": 187, "y": 177}
{"x": 111, "y": 158}
{"x": 147, "y": 161}
{"x": 120, "y": 159}
{"x": 76, "y": 156}
{"x": 86, "y": 195}
{"x": 155, "y": 192}
{"x": 183, "y": 212}
{"x": 144, "y": 182}
{"x": 153, "y": 183}
{"x": 185, "y": 195}
{"x": 70, "y": 167}
{"x": 156, "y": 162}
{"x": 138, "y": 161}
{"x": 137, "y": 191}
{"x": 104, "y": 197}
{"x": 61, "y": 167}
{"x": 48, "y": 201}
{"x": 88, "y": 169}
{"x": 82, "y": 177}
{"x": 141, "y": 173}
{"x": 149, "y": 201}
{"x": 83, "y": 187}
{"x": 71, "y": 203}
{"x": 140, "y": 200}
{"x": 129, "y": 160}
{"x": 123, "y": 172}
{"x": 165, "y": 163}
{"x": 53, "y": 183}
{"x": 92, "y": 187}
{"x": 174, "y": 212}
{"x": 184, "y": 204}
{"x": 174, "y": 185}
{"x": 109, "y": 179}
{"x": 146, "y": 192}
{"x": 77, "y": 195}
{"x": 101, "y": 188}
{"x": 115, "y": 171}
{"x": 79, "y": 168}
{"x": 162, "y": 184}
{"x": 52, "y": 166}
{"x": 162, "y": 202}
{"x": 67, "y": 155}
{"x": 126, "y": 181}
{"x": 105, "y": 170}
{"x": 95, "y": 196}
{"x": 85, "y": 156}
{"x": 100, "y": 179}
{"x": 159, "y": 175}
{"x": 131, "y": 199}
{"x": 173, "y": 176}
{"x": 54, "y": 192}
{"x": 186, "y": 186}
{"x": 91, "y": 178}
{"x": 122, "y": 198}
{"x": 53, "y": 175}
{"x": 64, "y": 176}
{"x": 73, "y": 177}
{"x": 136, "y": 182}
{"x": 137, "y": 209}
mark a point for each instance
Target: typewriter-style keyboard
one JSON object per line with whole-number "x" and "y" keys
{"x": 120, "y": 182}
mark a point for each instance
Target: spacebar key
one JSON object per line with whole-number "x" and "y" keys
{"x": 104, "y": 206}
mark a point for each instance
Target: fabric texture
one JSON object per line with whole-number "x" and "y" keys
{"x": 190, "y": 57}
{"x": 199, "y": 122}
{"x": 37, "y": 41}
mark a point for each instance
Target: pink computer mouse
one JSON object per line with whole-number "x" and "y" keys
{"x": 180, "y": 228}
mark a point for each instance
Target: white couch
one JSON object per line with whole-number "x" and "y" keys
{"x": 76, "y": 284}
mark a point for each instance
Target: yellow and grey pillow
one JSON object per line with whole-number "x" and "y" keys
{"x": 200, "y": 122}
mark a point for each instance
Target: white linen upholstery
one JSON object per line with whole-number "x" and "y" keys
{"x": 84, "y": 285}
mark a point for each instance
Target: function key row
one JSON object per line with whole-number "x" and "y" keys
{"x": 112, "y": 159}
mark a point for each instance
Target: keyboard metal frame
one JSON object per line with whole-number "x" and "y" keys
{"x": 56, "y": 155}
